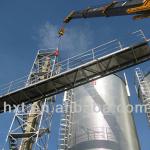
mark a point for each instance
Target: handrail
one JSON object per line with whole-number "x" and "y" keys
{"x": 65, "y": 65}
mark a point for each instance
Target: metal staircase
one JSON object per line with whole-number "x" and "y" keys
{"x": 143, "y": 91}
{"x": 66, "y": 121}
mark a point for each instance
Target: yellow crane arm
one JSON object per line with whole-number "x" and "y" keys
{"x": 142, "y": 8}
{"x": 139, "y": 8}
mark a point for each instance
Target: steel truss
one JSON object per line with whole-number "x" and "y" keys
{"x": 31, "y": 125}
{"x": 91, "y": 67}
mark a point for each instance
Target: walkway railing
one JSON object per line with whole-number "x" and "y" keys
{"x": 99, "y": 133}
{"x": 67, "y": 64}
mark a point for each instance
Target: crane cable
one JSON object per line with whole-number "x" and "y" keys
{"x": 60, "y": 34}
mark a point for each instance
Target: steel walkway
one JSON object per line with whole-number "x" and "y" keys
{"x": 78, "y": 70}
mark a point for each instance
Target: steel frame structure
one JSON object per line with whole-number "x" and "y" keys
{"x": 30, "y": 128}
{"x": 88, "y": 67}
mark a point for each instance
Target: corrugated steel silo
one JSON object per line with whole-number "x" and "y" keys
{"x": 96, "y": 128}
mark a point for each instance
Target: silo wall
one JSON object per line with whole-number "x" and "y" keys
{"x": 98, "y": 120}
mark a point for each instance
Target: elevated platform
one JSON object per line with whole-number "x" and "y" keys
{"x": 77, "y": 71}
{"x": 28, "y": 135}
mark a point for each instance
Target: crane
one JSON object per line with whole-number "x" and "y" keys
{"x": 140, "y": 9}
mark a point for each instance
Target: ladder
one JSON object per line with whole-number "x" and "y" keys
{"x": 66, "y": 121}
{"x": 144, "y": 91}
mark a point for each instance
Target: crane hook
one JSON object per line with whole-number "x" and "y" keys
{"x": 61, "y": 32}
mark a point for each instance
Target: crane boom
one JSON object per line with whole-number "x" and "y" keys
{"x": 129, "y": 7}
{"x": 139, "y": 8}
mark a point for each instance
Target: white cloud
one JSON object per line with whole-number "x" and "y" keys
{"x": 75, "y": 40}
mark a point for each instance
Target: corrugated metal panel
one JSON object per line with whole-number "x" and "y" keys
{"x": 103, "y": 130}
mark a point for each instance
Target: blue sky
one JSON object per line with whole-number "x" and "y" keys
{"x": 26, "y": 26}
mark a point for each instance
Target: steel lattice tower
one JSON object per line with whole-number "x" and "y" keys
{"x": 31, "y": 125}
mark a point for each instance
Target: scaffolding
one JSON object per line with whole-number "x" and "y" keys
{"x": 143, "y": 90}
{"x": 31, "y": 125}
{"x": 66, "y": 121}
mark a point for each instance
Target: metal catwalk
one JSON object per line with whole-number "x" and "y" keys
{"x": 93, "y": 64}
